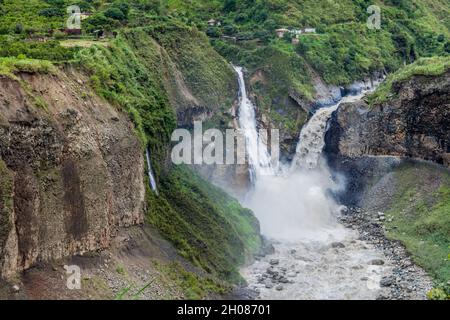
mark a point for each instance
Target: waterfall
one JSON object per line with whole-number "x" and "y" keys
{"x": 312, "y": 136}
{"x": 289, "y": 204}
{"x": 296, "y": 212}
{"x": 258, "y": 157}
{"x": 292, "y": 203}
{"x": 151, "y": 177}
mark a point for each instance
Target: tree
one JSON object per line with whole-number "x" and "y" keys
{"x": 124, "y": 7}
{"x": 229, "y": 6}
{"x": 115, "y": 13}
{"x": 51, "y": 12}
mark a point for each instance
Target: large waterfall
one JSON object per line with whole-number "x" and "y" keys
{"x": 298, "y": 215}
{"x": 258, "y": 157}
{"x": 290, "y": 204}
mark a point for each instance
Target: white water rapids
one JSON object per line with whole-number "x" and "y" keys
{"x": 297, "y": 214}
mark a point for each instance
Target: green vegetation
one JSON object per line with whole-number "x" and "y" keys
{"x": 9, "y": 66}
{"x": 51, "y": 50}
{"x": 423, "y": 67}
{"x": 193, "y": 286}
{"x": 421, "y": 219}
{"x": 127, "y": 74}
{"x": 207, "y": 226}
{"x": 121, "y": 270}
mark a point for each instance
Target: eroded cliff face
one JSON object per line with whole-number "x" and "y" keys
{"x": 71, "y": 170}
{"x": 414, "y": 123}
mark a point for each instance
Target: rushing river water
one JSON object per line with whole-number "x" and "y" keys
{"x": 315, "y": 256}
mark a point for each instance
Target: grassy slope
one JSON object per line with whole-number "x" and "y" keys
{"x": 425, "y": 67}
{"x": 420, "y": 209}
{"x": 207, "y": 226}
{"x": 207, "y": 75}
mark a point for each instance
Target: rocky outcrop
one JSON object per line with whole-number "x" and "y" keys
{"x": 414, "y": 123}
{"x": 71, "y": 169}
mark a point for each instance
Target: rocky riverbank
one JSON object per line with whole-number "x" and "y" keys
{"x": 406, "y": 280}
{"x": 358, "y": 262}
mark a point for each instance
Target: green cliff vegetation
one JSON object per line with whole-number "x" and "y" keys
{"x": 421, "y": 219}
{"x": 6, "y": 205}
{"x": 434, "y": 66}
{"x": 192, "y": 285}
{"x": 207, "y": 226}
{"x": 9, "y": 66}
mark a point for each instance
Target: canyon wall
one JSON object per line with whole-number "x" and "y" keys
{"x": 72, "y": 170}
{"x": 413, "y": 123}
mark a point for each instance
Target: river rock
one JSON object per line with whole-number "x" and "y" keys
{"x": 387, "y": 281}
{"x": 274, "y": 262}
{"x": 284, "y": 280}
{"x": 268, "y": 285}
{"x": 279, "y": 287}
{"x": 337, "y": 245}
{"x": 376, "y": 262}
{"x": 292, "y": 274}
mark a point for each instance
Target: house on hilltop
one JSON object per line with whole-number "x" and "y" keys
{"x": 281, "y": 32}
{"x": 295, "y": 32}
{"x": 309, "y": 30}
{"x": 214, "y": 22}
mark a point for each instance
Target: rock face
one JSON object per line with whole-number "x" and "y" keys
{"x": 414, "y": 124}
{"x": 71, "y": 169}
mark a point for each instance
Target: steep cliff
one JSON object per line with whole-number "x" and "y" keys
{"x": 413, "y": 123}
{"x": 72, "y": 169}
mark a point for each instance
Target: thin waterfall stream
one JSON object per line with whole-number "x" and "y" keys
{"x": 315, "y": 257}
{"x": 151, "y": 176}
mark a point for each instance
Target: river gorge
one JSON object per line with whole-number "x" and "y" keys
{"x": 315, "y": 256}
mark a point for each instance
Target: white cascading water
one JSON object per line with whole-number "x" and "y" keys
{"x": 151, "y": 177}
{"x": 259, "y": 159}
{"x": 298, "y": 216}
{"x": 312, "y": 137}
